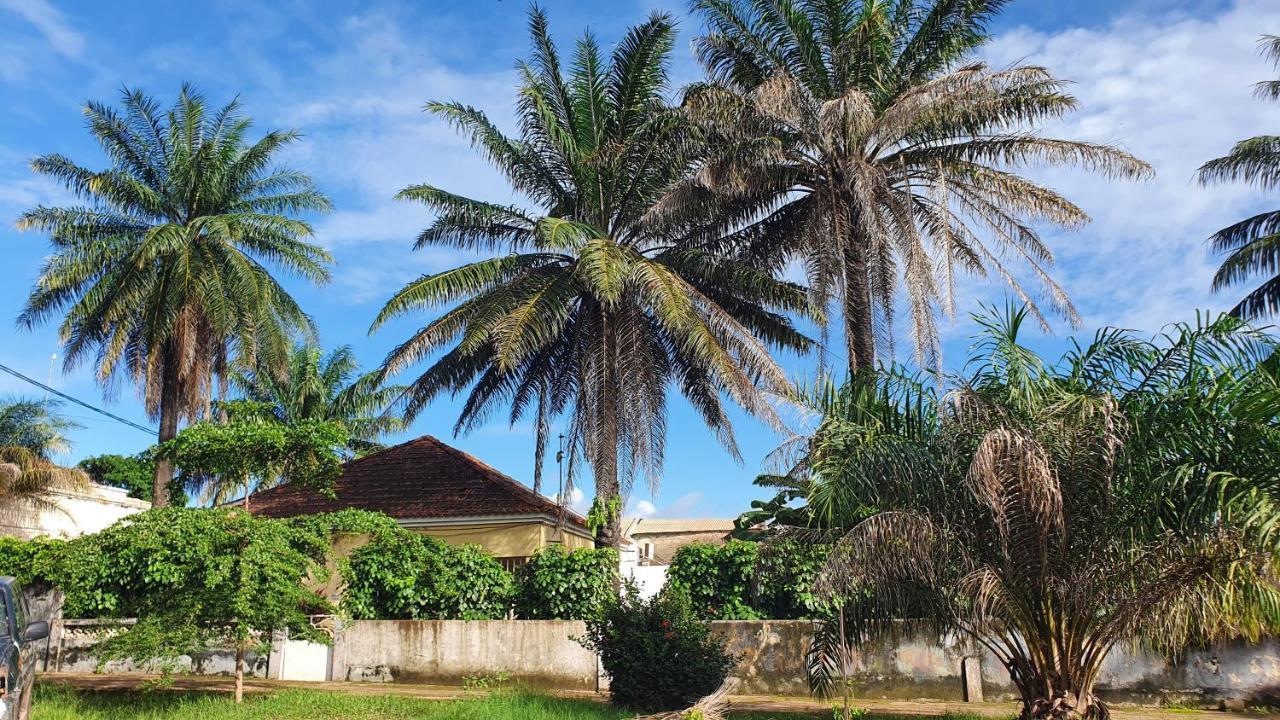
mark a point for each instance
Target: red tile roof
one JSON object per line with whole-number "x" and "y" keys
{"x": 423, "y": 478}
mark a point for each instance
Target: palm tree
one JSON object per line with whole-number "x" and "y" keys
{"x": 31, "y": 433}
{"x": 877, "y": 160}
{"x": 584, "y": 309}
{"x": 1252, "y": 246}
{"x": 1053, "y": 512}
{"x": 315, "y": 386}
{"x": 162, "y": 276}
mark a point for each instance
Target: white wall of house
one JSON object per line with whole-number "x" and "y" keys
{"x": 78, "y": 512}
{"x": 649, "y": 578}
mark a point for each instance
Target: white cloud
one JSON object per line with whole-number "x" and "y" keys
{"x": 51, "y": 24}
{"x": 643, "y": 509}
{"x": 1176, "y": 92}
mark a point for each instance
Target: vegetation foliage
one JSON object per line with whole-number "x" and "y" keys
{"x": 658, "y": 653}
{"x": 582, "y": 307}
{"x": 559, "y": 584}
{"x": 743, "y": 580}
{"x": 402, "y": 575}
{"x": 161, "y": 276}
{"x": 1252, "y": 245}
{"x": 1053, "y": 512}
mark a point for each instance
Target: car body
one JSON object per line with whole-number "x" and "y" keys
{"x": 19, "y": 643}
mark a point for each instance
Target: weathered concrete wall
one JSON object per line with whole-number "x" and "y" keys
{"x": 71, "y": 649}
{"x": 537, "y": 653}
{"x": 771, "y": 661}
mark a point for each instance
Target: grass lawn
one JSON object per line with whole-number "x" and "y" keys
{"x": 58, "y": 703}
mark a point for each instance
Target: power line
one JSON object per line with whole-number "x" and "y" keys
{"x": 81, "y": 403}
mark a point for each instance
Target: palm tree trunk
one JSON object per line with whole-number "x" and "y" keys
{"x": 605, "y": 465}
{"x": 168, "y": 428}
{"x": 858, "y": 324}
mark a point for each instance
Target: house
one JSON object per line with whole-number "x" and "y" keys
{"x": 73, "y": 511}
{"x": 649, "y": 544}
{"x": 656, "y": 540}
{"x": 431, "y": 487}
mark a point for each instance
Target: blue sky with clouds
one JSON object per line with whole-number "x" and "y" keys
{"x": 1169, "y": 80}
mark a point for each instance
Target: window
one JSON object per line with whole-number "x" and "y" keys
{"x": 4, "y": 617}
{"x": 511, "y": 564}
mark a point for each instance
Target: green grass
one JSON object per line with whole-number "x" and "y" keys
{"x": 56, "y": 703}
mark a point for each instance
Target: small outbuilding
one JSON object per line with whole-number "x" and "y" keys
{"x": 431, "y": 487}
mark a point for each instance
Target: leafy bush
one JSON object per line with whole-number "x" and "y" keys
{"x": 401, "y": 575}
{"x": 743, "y": 580}
{"x": 560, "y": 585}
{"x": 718, "y": 579}
{"x": 659, "y": 654}
{"x": 193, "y": 577}
{"x": 785, "y": 572}
{"x": 133, "y": 473}
{"x": 34, "y": 563}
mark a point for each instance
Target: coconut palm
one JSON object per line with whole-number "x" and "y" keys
{"x": 163, "y": 275}
{"x": 1052, "y": 513}
{"x": 878, "y": 160}
{"x": 31, "y": 433}
{"x": 315, "y": 386}
{"x": 579, "y": 307}
{"x": 1252, "y": 246}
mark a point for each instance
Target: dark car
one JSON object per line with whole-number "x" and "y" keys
{"x": 18, "y": 645}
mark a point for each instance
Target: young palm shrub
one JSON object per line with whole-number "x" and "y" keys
{"x": 162, "y": 276}
{"x": 316, "y": 386}
{"x": 1252, "y": 246}
{"x": 878, "y": 160}
{"x": 583, "y": 309}
{"x": 1053, "y": 513}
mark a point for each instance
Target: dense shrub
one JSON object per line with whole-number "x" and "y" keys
{"x": 560, "y": 585}
{"x": 401, "y": 575}
{"x": 716, "y": 578}
{"x": 658, "y": 653}
{"x": 742, "y": 580}
{"x": 35, "y": 563}
{"x": 133, "y": 473}
{"x": 785, "y": 572}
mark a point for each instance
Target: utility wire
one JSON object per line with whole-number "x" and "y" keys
{"x": 81, "y": 403}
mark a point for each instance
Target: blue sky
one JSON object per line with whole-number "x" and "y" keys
{"x": 1168, "y": 80}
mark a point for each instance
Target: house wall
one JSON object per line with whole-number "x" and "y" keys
{"x": 78, "y": 512}
{"x": 504, "y": 540}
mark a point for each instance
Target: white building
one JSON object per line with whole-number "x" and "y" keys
{"x": 78, "y": 512}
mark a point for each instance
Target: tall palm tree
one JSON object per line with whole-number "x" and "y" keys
{"x": 583, "y": 309}
{"x": 315, "y": 386}
{"x": 1252, "y": 246}
{"x": 163, "y": 274}
{"x": 1053, "y": 512}
{"x": 878, "y": 160}
{"x": 31, "y": 433}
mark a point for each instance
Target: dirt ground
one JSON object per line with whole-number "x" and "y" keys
{"x": 744, "y": 703}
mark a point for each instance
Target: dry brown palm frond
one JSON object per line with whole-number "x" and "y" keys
{"x": 712, "y": 707}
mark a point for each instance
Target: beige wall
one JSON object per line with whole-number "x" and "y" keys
{"x": 508, "y": 540}
{"x": 78, "y": 512}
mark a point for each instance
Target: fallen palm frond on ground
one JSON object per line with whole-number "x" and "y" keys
{"x": 712, "y": 707}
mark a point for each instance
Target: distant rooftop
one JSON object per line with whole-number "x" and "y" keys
{"x": 667, "y": 526}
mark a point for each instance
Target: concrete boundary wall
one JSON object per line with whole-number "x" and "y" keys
{"x": 771, "y": 661}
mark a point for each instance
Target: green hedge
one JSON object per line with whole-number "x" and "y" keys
{"x": 743, "y": 580}
{"x": 560, "y": 585}
{"x": 401, "y": 575}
